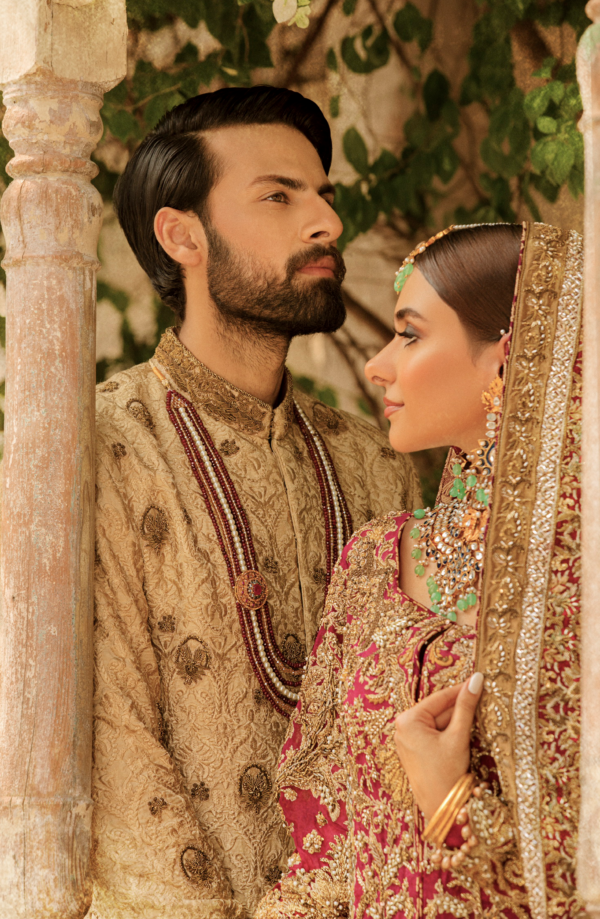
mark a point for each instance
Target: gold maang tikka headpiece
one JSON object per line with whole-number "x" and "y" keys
{"x": 408, "y": 265}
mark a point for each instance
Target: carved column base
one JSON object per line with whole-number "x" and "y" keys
{"x": 59, "y": 831}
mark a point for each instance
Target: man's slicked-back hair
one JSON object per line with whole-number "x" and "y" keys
{"x": 174, "y": 167}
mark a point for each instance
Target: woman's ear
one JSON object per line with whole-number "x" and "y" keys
{"x": 181, "y": 235}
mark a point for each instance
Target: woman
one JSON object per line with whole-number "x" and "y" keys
{"x": 430, "y": 812}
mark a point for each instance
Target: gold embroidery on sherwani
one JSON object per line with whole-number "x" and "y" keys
{"x": 179, "y": 715}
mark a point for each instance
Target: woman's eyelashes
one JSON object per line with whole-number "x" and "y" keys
{"x": 408, "y": 333}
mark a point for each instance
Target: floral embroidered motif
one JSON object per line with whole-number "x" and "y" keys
{"x": 109, "y": 386}
{"x": 259, "y": 697}
{"x": 293, "y": 649}
{"x": 273, "y": 874}
{"x": 328, "y": 418}
{"x": 271, "y": 565}
{"x": 155, "y": 526}
{"x": 388, "y": 453}
{"x": 199, "y": 791}
{"x": 140, "y": 413}
{"x": 254, "y": 787}
{"x": 321, "y": 819}
{"x": 228, "y": 448}
{"x": 192, "y": 659}
{"x": 156, "y": 806}
{"x": 119, "y": 450}
{"x": 166, "y": 624}
{"x": 319, "y": 575}
{"x": 197, "y": 866}
{"x": 312, "y": 842}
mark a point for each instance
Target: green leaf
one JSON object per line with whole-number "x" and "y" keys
{"x": 447, "y": 161}
{"x": 376, "y": 52}
{"x": 334, "y": 106}
{"x": 545, "y": 71}
{"x": 535, "y": 211}
{"x": 557, "y": 91}
{"x": 385, "y": 163}
{"x": 548, "y": 189}
{"x": 122, "y": 124}
{"x": 348, "y": 7}
{"x": 411, "y": 25}
{"x": 436, "y": 93}
{"x": 536, "y": 102}
{"x": 159, "y": 106}
{"x": 331, "y": 60}
{"x": 355, "y": 151}
{"x": 546, "y": 125}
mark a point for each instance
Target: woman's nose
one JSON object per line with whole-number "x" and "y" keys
{"x": 380, "y": 369}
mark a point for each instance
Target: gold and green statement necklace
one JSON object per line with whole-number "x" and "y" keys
{"x": 452, "y": 534}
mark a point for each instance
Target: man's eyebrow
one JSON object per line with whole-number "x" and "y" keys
{"x": 406, "y": 312}
{"x": 293, "y": 184}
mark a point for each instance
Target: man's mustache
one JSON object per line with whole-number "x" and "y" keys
{"x": 307, "y": 256}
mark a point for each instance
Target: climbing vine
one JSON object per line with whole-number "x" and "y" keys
{"x": 481, "y": 149}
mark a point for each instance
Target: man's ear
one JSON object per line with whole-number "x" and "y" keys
{"x": 181, "y": 235}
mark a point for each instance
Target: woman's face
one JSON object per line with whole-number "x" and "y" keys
{"x": 433, "y": 373}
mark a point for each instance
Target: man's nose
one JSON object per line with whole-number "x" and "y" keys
{"x": 323, "y": 224}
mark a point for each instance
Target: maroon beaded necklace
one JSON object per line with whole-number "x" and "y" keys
{"x": 279, "y": 678}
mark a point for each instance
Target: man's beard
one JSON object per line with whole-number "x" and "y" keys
{"x": 247, "y": 294}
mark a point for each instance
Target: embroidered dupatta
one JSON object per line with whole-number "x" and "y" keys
{"x": 528, "y": 631}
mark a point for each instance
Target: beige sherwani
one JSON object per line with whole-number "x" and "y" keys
{"x": 186, "y": 745}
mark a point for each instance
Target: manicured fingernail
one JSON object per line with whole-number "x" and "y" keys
{"x": 475, "y": 683}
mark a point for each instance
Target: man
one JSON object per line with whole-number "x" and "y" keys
{"x": 223, "y": 499}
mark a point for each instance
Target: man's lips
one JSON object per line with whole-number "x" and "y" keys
{"x": 321, "y": 268}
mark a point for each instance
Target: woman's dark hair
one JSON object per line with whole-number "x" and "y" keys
{"x": 474, "y": 271}
{"x": 174, "y": 167}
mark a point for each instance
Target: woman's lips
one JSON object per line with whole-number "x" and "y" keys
{"x": 390, "y": 409}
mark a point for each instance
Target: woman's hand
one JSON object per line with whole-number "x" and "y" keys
{"x": 433, "y": 741}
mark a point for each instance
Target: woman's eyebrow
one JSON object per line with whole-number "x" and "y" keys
{"x": 406, "y": 312}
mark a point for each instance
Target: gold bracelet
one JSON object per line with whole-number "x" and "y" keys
{"x": 445, "y": 816}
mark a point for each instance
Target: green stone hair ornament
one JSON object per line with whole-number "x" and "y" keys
{"x": 408, "y": 265}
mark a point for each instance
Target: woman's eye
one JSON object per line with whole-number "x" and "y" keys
{"x": 409, "y": 334}
{"x": 279, "y": 196}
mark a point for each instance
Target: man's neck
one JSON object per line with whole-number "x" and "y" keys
{"x": 250, "y": 361}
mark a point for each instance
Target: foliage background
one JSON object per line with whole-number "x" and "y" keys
{"x": 456, "y": 111}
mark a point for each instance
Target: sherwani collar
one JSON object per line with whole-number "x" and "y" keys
{"x": 217, "y": 397}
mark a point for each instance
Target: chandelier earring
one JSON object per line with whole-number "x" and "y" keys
{"x": 492, "y": 401}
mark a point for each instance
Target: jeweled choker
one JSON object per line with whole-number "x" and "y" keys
{"x": 279, "y": 678}
{"x": 452, "y": 535}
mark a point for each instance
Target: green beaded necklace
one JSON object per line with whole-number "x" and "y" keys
{"x": 452, "y": 535}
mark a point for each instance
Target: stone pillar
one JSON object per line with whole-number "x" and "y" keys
{"x": 588, "y": 868}
{"x": 57, "y": 58}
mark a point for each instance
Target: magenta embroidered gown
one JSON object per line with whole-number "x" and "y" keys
{"x": 357, "y": 831}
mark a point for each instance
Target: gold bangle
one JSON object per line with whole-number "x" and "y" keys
{"x": 445, "y": 816}
{"x": 447, "y": 807}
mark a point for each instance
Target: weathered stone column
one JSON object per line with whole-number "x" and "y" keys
{"x": 57, "y": 57}
{"x": 588, "y": 73}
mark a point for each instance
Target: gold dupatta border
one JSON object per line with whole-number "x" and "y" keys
{"x": 545, "y": 335}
